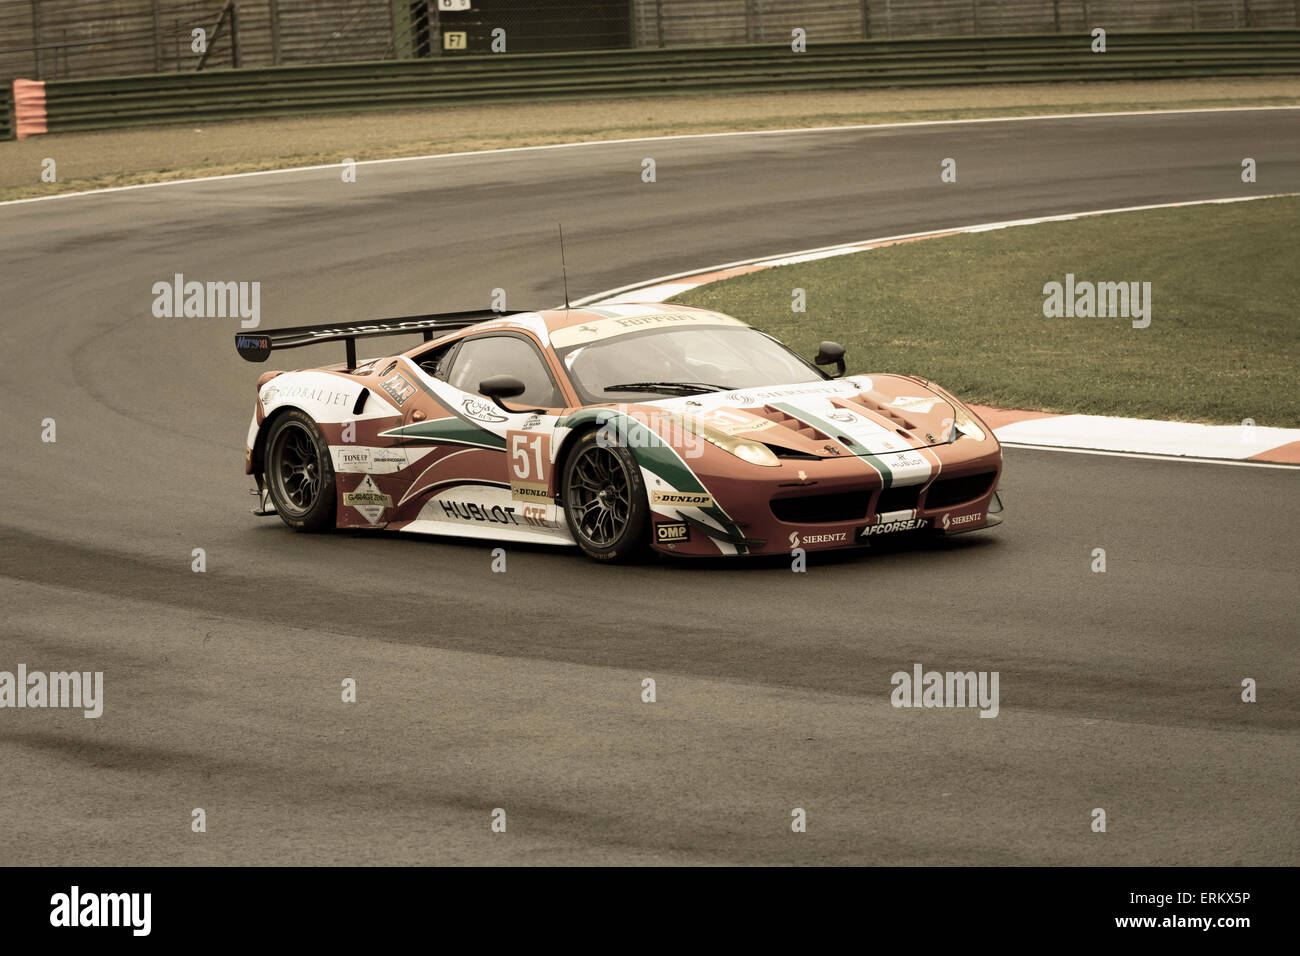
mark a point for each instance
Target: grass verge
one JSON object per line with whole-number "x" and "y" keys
{"x": 967, "y": 311}
{"x": 185, "y": 151}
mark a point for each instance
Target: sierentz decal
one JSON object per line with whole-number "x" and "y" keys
{"x": 838, "y": 537}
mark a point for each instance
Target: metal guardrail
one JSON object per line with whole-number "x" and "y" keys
{"x": 237, "y": 94}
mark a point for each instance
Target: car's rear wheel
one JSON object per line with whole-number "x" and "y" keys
{"x": 299, "y": 473}
{"x": 605, "y": 500}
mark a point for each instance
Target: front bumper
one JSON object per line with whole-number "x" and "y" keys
{"x": 827, "y": 504}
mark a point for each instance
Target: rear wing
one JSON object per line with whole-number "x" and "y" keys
{"x": 258, "y": 346}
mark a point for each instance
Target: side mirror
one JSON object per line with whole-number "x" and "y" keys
{"x": 831, "y": 353}
{"x": 497, "y": 387}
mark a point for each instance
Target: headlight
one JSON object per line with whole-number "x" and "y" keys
{"x": 756, "y": 453}
{"x": 965, "y": 424}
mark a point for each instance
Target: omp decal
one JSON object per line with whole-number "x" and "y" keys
{"x": 621, "y": 325}
{"x": 681, "y": 499}
{"x": 398, "y": 389}
{"x": 672, "y": 531}
{"x": 368, "y": 500}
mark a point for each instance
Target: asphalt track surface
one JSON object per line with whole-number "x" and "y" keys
{"x": 522, "y": 690}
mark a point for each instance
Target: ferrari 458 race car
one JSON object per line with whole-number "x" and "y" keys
{"x": 614, "y": 428}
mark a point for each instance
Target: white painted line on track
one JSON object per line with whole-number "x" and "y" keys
{"x": 857, "y": 127}
{"x": 1151, "y": 457}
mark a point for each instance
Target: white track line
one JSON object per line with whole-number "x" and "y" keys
{"x": 1150, "y": 457}
{"x": 646, "y": 139}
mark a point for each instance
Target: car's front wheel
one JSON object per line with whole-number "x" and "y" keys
{"x": 605, "y": 500}
{"x": 299, "y": 473}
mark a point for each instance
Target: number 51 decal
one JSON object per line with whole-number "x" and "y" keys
{"x": 530, "y": 466}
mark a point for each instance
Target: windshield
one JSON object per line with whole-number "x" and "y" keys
{"x": 660, "y": 363}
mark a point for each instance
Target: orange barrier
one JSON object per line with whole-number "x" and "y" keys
{"x": 29, "y": 108}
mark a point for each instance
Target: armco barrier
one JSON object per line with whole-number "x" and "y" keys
{"x": 236, "y": 94}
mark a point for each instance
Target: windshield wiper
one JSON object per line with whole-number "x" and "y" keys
{"x": 687, "y": 388}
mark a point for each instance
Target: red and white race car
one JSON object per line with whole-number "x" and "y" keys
{"x": 616, "y": 428}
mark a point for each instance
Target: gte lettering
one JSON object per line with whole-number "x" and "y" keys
{"x": 535, "y": 516}
{"x": 889, "y": 527}
{"x": 470, "y": 511}
{"x": 102, "y": 909}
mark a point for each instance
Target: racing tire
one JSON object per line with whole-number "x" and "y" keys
{"x": 299, "y": 473}
{"x": 605, "y": 501}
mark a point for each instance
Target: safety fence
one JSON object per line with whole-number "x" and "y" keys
{"x": 78, "y": 39}
{"x": 236, "y": 94}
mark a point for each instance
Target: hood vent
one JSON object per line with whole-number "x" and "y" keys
{"x": 786, "y": 421}
{"x": 867, "y": 401}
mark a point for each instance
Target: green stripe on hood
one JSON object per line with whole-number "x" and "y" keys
{"x": 886, "y": 473}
